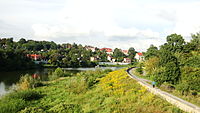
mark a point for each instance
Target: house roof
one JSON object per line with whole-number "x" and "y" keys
{"x": 140, "y": 54}
{"x": 125, "y": 51}
{"x": 33, "y": 55}
{"x": 106, "y": 49}
{"x": 127, "y": 58}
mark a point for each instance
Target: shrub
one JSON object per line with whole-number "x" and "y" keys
{"x": 32, "y": 110}
{"x": 91, "y": 77}
{"x": 108, "y": 70}
{"x": 139, "y": 70}
{"x": 76, "y": 85}
{"x": 66, "y": 108}
{"x": 56, "y": 74}
{"x": 27, "y": 82}
{"x": 12, "y": 105}
{"x": 26, "y": 95}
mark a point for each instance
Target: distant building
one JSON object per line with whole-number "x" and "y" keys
{"x": 93, "y": 58}
{"x": 34, "y": 56}
{"x": 90, "y": 48}
{"x": 125, "y": 52}
{"x": 127, "y": 60}
{"x": 109, "y": 58}
{"x": 108, "y": 50}
{"x": 113, "y": 60}
{"x": 139, "y": 57}
{"x": 37, "y": 58}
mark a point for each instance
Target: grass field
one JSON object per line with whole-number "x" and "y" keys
{"x": 89, "y": 92}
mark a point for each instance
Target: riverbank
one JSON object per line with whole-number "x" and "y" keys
{"x": 88, "y": 91}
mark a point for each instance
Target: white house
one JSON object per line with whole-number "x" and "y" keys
{"x": 90, "y": 48}
{"x": 127, "y": 60}
{"x": 139, "y": 57}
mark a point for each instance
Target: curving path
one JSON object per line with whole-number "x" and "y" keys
{"x": 182, "y": 104}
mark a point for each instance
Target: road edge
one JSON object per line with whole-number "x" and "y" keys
{"x": 180, "y": 103}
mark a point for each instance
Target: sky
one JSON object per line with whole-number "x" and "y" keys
{"x": 100, "y": 23}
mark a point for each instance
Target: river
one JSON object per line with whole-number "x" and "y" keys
{"x": 9, "y": 79}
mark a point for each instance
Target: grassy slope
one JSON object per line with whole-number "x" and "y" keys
{"x": 116, "y": 92}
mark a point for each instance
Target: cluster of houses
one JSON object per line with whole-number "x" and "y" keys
{"x": 139, "y": 56}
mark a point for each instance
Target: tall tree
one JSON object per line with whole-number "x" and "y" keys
{"x": 175, "y": 42}
{"x": 152, "y": 51}
{"x": 131, "y": 53}
{"x": 196, "y": 41}
{"x": 118, "y": 55}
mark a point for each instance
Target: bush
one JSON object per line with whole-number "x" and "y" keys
{"x": 27, "y": 82}
{"x": 108, "y": 70}
{"x": 56, "y": 74}
{"x": 76, "y": 85}
{"x": 32, "y": 110}
{"x": 91, "y": 77}
{"x": 139, "y": 70}
{"x": 66, "y": 108}
{"x": 12, "y": 105}
{"x": 26, "y": 95}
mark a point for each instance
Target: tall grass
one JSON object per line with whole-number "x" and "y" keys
{"x": 93, "y": 92}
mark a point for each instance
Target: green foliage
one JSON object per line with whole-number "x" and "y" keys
{"x": 118, "y": 55}
{"x": 152, "y": 51}
{"x": 90, "y": 77}
{"x": 175, "y": 43}
{"x": 16, "y": 101}
{"x": 56, "y": 74}
{"x": 176, "y": 63}
{"x": 66, "y": 108}
{"x": 193, "y": 61}
{"x": 151, "y": 65}
{"x": 26, "y": 95}
{"x": 11, "y": 105}
{"x": 108, "y": 70}
{"x": 72, "y": 94}
{"x": 131, "y": 53}
{"x": 27, "y": 82}
{"x": 139, "y": 70}
{"x": 32, "y": 110}
{"x": 190, "y": 80}
{"x": 195, "y": 42}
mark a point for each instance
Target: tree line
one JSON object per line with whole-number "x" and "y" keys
{"x": 176, "y": 62}
{"x": 13, "y": 54}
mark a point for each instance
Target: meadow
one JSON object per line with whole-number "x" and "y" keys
{"x": 86, "y": 92}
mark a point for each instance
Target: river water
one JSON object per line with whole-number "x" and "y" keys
{"x": 9, "y": 79}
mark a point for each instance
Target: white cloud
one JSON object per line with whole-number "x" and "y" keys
{"x": 112, "y": 23}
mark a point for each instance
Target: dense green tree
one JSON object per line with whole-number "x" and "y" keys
{"x": 152, "y": 51}
{"x": 131, "y": 53}
{"x": 190, "y": 80}
{"x": 118, "y": 55}
{"x": 175, "y": 42}
{"x": 196, "y": 41}
{"x": 22, "y": 41}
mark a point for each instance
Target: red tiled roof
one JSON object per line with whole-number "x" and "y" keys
{"x": 33, "y": 56}
{"x": 140, "y": 54}
{"x": 106, "y": 49}
{"x": 125, "y": 51}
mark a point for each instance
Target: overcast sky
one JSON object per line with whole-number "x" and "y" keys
{"x": 101, "y": 23}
